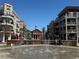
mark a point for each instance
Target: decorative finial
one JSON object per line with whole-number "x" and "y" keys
{"x": 35, "y": 27}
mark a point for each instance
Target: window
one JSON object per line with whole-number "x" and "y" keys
{"x": 74, "y": 14}
{"x": 1, "y": 29}
{"x": 1, "y": 13}
{"x": 7, "y": 13}
{"x": 17, "y": 30}
{"x": 1, "y": 21}
{"x": 68, "y": 14}
{"x": 71, "y": 14}
{"x": 17, "y": 25}
{"x": 8, "y": 8}
{"x": 78, "y": 14}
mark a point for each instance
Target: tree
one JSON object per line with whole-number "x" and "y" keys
{"x": 27, "y": 33}
{"x": 44, "y": 32}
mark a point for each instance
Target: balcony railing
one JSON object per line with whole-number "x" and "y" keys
{"x": 71, "y": 23}
{"x": 72, "y": 14}
{"x": 6, "y": 24}
{"x": 6, "y": 31}
{"x": 6, "y": 16}
{"x": 71, "y": 31}
{"x": 71, "y": 38}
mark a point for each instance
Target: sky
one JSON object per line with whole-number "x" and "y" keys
{"x": 39, "y": 12}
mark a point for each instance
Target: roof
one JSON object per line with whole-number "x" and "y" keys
{"x": 37, "y": 30}
{"x": 69, "y": 8}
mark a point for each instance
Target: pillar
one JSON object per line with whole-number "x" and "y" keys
{"x": 9, "y": 38}
{"x": 3, "y": 38}
{"x": 35, "y": 37}
{"x": 66, "y": 26}
{"x": 77, "y": 30}
{"x": 38, "y": 37}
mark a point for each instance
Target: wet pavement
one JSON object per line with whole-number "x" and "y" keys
{"x": 4, "y": 54}
{"x": 44, "y": 52}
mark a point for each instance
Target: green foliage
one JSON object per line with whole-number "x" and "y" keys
{"x": 27, "y": 33}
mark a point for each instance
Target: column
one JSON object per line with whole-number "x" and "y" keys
{"x": 35, "y": 37}
{"x": 3, "y": 38}
{"x": 38, "y": 37}
{"x": 9, "y": 38}
{"x": 66, "y": 26}
{"x": 77, "y": 29}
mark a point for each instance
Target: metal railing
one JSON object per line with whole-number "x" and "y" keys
{"x": 71, "y": 23}
{"x": 71, "y": 30}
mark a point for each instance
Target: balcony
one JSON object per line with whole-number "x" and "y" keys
{"x": 6, "y": 21}
{"x": 72, "y": 36}
{"x": 71, "y": 23}
{"x": 78, "y": 34}
{"x": 71, "y": 15}
{"x": 71, "y": 31}
{"x": 7, "y": 24}
{"x": 6, "y": 31}
{"x": 6, "y": 16}
{"x": 56, "y": 35}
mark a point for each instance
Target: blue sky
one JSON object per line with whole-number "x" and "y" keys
{"x": 39, "y": 12}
